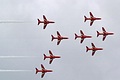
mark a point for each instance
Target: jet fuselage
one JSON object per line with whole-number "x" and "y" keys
{"x": 60, "y": 37}
{"x": 85, "y": 36}
{"x": 43, "y": 70}
{"x": 52, "y": 57}
{"x": 46, "y": 22}
{"x": 106, "y": 33}
{"x": 94, "y": 49}
{"x": 93, "y": 18}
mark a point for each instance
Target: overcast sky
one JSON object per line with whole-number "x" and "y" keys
{"x": 29, "y": 39}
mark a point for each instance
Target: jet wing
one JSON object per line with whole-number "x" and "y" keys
{"x": 91, "y": 15}
{"x": 44, "y": 26}
{"x": 92, "y": 45}
{"x": 50, "y": 53}
{"x": 50, "y": 61}
{"x": 104, "y": 37}
{"x": 42, "y": 66}
{"x": 103, "y": 29}
{"x": 44, "y": 17}
{"x": 58, "y": 33}
{"x": 82, "y": 40}
{"x": 81, "y": 32}
{"x": 93, "y": 52}
{"x": 91, "y": 22}
{"x": 58, "y": 42}
{"x": 42, "y": 75}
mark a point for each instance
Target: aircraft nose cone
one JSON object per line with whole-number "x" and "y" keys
{"x": 99, "y": 18}
{"x": 112, "y": 33}
{"x": 90, "y": 36}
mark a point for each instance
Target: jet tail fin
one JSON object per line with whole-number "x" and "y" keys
{"x": 38, "y": 21}
{"x": 52, "y": 37}
{"x": 85, "y": 18}
{"x": 76, "y": 36}
{"x": 36, "y": 70}
{"x": 87, "y": 49}
{"x": 98, "y": 33}
{"x": 44, "y": 56}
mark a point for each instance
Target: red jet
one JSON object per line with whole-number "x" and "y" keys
{"x": 92, "y": 18}
{"x": 43, "y": 71}
{"x": 59, "y": 38}
{"x": 104, "y": 33}
{"x": 45, "y": 21}
{"x": 94, "y": 49}
{"x": 83, "y": 36}
{"x": 51, "y": 57}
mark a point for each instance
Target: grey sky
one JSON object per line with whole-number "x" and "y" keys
{"x": 29, "y": 39}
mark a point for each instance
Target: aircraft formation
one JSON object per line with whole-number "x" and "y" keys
{"x": 82, "y": 36}
{"x": 43, "y": 70}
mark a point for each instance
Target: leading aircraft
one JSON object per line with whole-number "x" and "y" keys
{"x": 59, "y": 38}
{"x": 83, "y": 36}
{"x": 104, "y": 33}
{"x": 51, "y": 56}
{"x": 92, "y": 18}
{"x": 94, "y": 49}
{"x": 45, "y": 21}
{"x": 43, "y": 70}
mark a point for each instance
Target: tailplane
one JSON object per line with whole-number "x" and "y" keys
{"x": 39, "y": 21}
{"x": 36, "y": 70}
{"x": 85, "y": 18}
{"x": 45, "y": 57}
{"x": 52, "y": 37}
{"x": 76, "y": 36}
{"x": 98, "y": 33}
{"x": 87, "y": 49}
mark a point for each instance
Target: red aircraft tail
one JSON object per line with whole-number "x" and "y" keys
{"x": 87, "y": 49}
{"x": 45, "y": 57}
{"x": 38, "y": 21}
{"x": 76, "y": 36}
{"x": 85, "y": 18}
{"x": 98, "y": 33}
{"x": 36, "y": 70}
{"x": 52, "y": 37}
